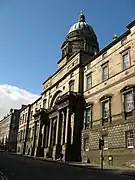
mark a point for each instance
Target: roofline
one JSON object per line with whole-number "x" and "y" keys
{"x": 36, "y": 100}
{"x": 110, "y": 45}
{"x": 25, "y": 107}
{"x": 131, "y": 24}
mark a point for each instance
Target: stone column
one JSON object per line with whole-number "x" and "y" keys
{"x": 46, "y": 136}
{"x": 66, "y": 128}
{"x": 34, "y": 139}
{"x": 50, "y": 132}
{"x": 43, "y": 136}
{"x": 39, "y": 134}
{"x": 62, "y": 129}
{"x": 57, "y": 128}
{"x": 72, "y": 127}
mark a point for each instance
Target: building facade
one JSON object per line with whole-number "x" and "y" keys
{"x": 109, "y": 85}
{"x": 9, "y": 130}
{"x": 91, "y": 95}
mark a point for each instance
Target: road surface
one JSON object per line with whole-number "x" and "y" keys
{"x": 13, "y": 167}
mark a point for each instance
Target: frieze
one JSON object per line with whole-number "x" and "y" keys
{"x": 52, "y": 115}
{"x": 64, "y": 104}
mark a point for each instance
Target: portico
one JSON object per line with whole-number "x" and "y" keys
{"x": 59, "y": 130}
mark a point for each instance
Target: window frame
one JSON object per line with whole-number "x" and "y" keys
{"x": 87, "y": 85}
{"x": 105, "y": 65}
{"x": 88, "y": 124}
{"x": 123, "y": 54}
{"x": 107, "y": 98}
{"x": 127, "y": 138}
{"x": 128, "y": 89}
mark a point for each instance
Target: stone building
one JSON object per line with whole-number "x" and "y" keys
{"x": 83, "y": 100}
{"x": 9, "y": 130}
{"x": 109, "y": 91}
{"x": 26, "y": 129}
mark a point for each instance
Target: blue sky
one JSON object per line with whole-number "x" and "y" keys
{"x": 32, "y": 32}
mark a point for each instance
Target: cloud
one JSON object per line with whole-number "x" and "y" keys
{"x": 13, "y": 97}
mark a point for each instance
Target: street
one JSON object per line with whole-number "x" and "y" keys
{"x": 13, "y": 167}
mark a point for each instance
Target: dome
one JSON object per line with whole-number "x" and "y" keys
{"x": 81, "y": 25}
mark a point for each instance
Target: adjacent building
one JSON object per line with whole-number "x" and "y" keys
{"x": 91, "y": 95}
{"x": 9, "y": 130}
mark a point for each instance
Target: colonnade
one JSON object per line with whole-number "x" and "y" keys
{"x": 52, "y": 137}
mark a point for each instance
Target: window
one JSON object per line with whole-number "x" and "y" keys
{"x": 88, "y": 117}
{"x": 44, "y": 103}
{"x": 128, "y": 103}
{"x": 71, "y": 85}
{"x": 31, "y": 114}
{"x": 129, "y": 139}
{"x": 105, "y": 73}
{"x": 89, "y": 81}
{"x": 126, "y": 61}
{"x": 106, "y": 108}
{"x": 26, "y": 117}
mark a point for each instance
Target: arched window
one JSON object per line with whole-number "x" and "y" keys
{"x": 53, "y": 101}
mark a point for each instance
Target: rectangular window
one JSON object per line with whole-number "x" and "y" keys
{"x": 31, "y": 115}
{"x": 105, "y": 72}
{"x": 129, "y": 139}
{"x": 89, "y": 81}
{"x": 105, "y": 109}
{"x": 126, "y": 61}
{"x": 44, "y": 103}
{"x": 26, "y": 117}
{"x": 88, "y": 117}
{"x": 128, "y": 101}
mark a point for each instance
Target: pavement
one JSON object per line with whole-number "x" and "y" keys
{"x": 17, "y": 167}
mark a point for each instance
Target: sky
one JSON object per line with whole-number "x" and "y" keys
{"x": 32, "y": 32}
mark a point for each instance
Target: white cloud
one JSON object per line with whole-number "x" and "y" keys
{"x": 13, "y": 97}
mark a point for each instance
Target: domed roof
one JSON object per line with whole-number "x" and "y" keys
{"x": 81, "y": 25}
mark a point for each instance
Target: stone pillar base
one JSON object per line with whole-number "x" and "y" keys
{"x": 54, "y": 153}
{"x": 45, "y": 152}
{"x": 35, "y": 152}
{"x": 64, "y": 152}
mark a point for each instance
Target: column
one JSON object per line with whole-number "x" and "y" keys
{"x": 62, "y": 130}
{"x": 53, "y": 131}
{"x": 43, "y": 136}
{"x": 66, "y": 128}
{"x": 57, "y": 128}
{"x": 34, "y": 139}
{"x": 72, "y": 127}
{"x": 39, "y": 134}
{"x": 50, "y": 132}
{"x": 46, "y": 136}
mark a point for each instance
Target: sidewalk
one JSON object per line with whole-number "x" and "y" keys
{"x": 122, "y": 171}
